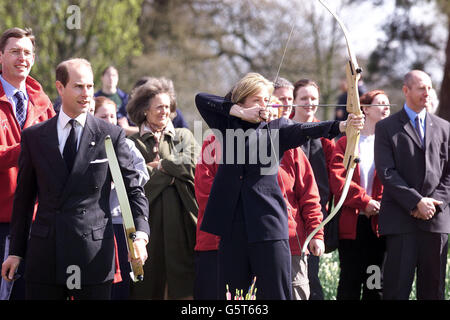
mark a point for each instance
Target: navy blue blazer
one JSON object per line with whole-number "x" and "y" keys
{"x": 245, "y": 172}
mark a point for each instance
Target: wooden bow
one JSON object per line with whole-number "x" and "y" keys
{"x": 353, "y": 74}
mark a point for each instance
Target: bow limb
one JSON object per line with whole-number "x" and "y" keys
{"x": 348, "y": 180}
{"x": 353, "y": 74}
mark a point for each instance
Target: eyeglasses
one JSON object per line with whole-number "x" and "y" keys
{"x": 19, "y": 52}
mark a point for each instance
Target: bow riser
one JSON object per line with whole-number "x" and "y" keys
{"x": 353, "y": 74}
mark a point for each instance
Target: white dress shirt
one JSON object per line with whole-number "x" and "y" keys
{"x": 64, "y": 127}
{"x": 367, "y": 163}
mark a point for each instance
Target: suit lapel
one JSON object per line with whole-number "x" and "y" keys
{"x": 407, "y": 125}
{"x": 51, "y": 146}
{"x": 429, "y": 131}
{"x": 85, "y": 148}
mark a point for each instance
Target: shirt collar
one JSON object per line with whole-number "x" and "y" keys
{"x": 170, "y": 129}
{"x": 412, "y": 114}
{"x": 63, "y": 118}
{"x": 10, "y": 90}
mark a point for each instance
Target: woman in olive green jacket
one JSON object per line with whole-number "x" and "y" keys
{"x": 171, "y": 156}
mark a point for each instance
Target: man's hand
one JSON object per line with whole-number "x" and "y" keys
{"x": 9, "y": 267}
{"x": 140, "y": 251}
{"x": 425, "y": 208}
{"x": 415, "y": 214}
{"x": 316, "y": 247}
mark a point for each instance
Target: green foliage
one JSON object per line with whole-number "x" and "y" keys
{"x": 108, "y": 33}
{"x": 329, "y": 276}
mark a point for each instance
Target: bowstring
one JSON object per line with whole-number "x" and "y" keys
{"x": 270, "y": 135}
{"x": 268, "y": 127}
{"x": 283, "y": 56}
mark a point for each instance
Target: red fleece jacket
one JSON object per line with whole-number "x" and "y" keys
{"x": 39, "y": 109}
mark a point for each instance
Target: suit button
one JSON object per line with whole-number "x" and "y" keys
{"x": 241, "y": 177}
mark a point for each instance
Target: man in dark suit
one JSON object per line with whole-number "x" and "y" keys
{"x": 412, "y": 160}
{"x": 70, "y": 248}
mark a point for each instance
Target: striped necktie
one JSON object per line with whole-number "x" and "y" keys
{"x": 419, "y": 129}
{"x": 20, "y": 108}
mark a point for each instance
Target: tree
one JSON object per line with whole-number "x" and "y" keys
{"x": 444, "y": 97}
{"x": 411, "y": 43}
{"x": 206, "y": 45}
{"x": 105, "y": 33}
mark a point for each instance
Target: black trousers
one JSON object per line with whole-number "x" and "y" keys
{"x": 239, "y": 261}
{"x": 205, "y": 285}
{"x": 355, "y": 256}
{"x": 39, "y": 291}
{"x": 424, "y": 252}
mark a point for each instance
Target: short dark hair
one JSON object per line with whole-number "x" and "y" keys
{"x": 283, "y": 83}
{"x": 16, "y": 33}
{"x": 62, "y": 72}
{"x": 107, "y": 68}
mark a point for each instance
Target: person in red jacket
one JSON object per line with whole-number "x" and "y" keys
{"x": 360, "y": 245}
{"x": 300, "y": 191}
{"x": 207, "y": 244}
{"x": 23, "y": 103}
{"x": 319, "y": 153}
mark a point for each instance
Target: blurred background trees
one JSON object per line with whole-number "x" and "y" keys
{"x": 416, "y": 36}
{"x": 107, "y": 33}
{"x": 206, "y": 45}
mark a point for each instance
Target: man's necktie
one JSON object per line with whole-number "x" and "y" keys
{"x": 20, "y": 108}
{"x": 419, "y": 129}
{"x": 70, "y": 149}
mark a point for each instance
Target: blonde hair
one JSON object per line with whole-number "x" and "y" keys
{"x": 249, "y": 85}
